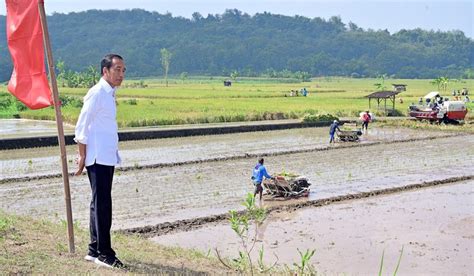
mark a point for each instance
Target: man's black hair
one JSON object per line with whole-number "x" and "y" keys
{"x": 107, "y": 62}
{"x": 261, "y": 161}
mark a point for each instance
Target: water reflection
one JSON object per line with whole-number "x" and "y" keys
{"x": 22, "y": 127}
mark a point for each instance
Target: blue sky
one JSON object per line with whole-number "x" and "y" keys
{"x": 444, "y": 15}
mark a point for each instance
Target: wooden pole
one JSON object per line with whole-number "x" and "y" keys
{"x": 59, "y": 123}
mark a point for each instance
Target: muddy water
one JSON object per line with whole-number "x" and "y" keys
{"x": 434, "y": 225}
{"x": 44, "y": 161}
{"x": 151, "y": 196}
{"x": 11, "y": 128}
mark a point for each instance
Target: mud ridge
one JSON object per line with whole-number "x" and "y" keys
{"x": 192, "y": 224}
{"x": 230, "y": 158}
{"x": 130, "y": 135}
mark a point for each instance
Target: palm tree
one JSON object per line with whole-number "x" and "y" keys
{"x": 381, "y": 85}
{"x": 165, "y": 62}
{"x": 442, "y": 83}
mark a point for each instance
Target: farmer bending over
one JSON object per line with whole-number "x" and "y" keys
{"x": 332, "y": 130}
{"x": 257, "y": 176}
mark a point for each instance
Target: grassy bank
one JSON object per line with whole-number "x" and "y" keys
{"x": 38, "y": 246}
{"x": 206, "y": 100}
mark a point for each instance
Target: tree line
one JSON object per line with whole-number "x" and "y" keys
{"x": 237, "y": 43}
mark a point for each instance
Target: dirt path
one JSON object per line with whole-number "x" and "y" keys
{"x": 433, "y": 225}
{"x": 209, "y": 188}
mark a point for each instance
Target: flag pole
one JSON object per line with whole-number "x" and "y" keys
{"x": 59, "y": 123}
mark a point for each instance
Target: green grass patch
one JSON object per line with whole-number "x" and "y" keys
{"x": 206, "y": 100}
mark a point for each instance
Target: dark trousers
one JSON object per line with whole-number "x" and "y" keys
{"x": 100, "y": 178}
{"x": 365, "y": 125}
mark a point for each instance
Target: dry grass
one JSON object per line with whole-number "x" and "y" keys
{"x": 39, "y": 246}
{"x": 467, "y": 127}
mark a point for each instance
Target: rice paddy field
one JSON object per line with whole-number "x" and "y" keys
{"x": 207, "y": 100}
{"x": 395, "y": 188}
{"x": 404, "y": 189}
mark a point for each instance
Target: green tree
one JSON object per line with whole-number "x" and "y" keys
{"x": 210, "y": 45}
{"x": 234, "y": 75}
{"x": 442, "y": 83}
{"x": 61, "y": 67}
{"x": 381, "y": 84}
{"x": 165, "y": 62}
{"x": 183, "y": 76}
{"x": 90, "y": 76}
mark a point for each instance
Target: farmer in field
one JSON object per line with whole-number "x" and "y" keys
{"x": 332, "y": 130}
{"x": 257, "y": 177}
{"x": 97, "y": 138}
{"x": 366, "y": 120}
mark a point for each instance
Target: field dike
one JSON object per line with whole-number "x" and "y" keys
{"x": 196, "y": 223}
{"x": 131, "y": 135}
{"x": 236, "y": 157}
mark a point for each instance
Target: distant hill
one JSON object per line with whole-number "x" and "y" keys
{"x": 220, "y": 44}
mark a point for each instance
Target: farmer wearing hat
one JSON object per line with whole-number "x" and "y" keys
{"x": 332, "y": 130}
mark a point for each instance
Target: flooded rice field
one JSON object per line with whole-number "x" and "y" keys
{"x": 41, "y": 162}
{"x": 185, "y": 191}
{"x": 434, "y": 226}
{"x": 23, "y": 128}
{"x": 191, "y": 180}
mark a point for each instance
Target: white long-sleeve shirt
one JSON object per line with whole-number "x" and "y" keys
{"x": 97, "y": 125}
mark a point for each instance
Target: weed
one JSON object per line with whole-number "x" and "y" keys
{"x": 304, "y": 264}
{"x": 5, "y": 225}
{"x": 398, "y": 263}
{"x": 240, "y": 224}
{"x": 61, "y": 247}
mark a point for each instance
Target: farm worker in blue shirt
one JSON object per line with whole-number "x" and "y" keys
{"x": 304, "y": 92}
{"x": 257, "y": 176}
{"x": 332, "y": 130}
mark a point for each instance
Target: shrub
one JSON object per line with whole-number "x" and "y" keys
{"x": 131, "y": 101}
{"x": 70, "y": 101}
{"x": 310, "y": 118}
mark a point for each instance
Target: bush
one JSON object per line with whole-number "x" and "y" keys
{"x": 20, "y": 106}
{"x": 310, "y": 118}
{"x": 131, "y": 101}
{"x": 5, "y": 101}
{"x": 70, "y": 101}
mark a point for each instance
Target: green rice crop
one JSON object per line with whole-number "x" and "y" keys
{"x": 206, "y": 100}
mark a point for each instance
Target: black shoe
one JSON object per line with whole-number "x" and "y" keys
{"x": 91, "y": 257}
{"x": 111, "y": 262}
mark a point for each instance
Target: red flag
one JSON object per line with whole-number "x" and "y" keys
{"x": 28, "y": 82}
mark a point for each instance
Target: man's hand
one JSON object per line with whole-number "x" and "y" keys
{"x": 81, "y": 160}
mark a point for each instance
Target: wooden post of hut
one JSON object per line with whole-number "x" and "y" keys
{"x": 384, "y": 95}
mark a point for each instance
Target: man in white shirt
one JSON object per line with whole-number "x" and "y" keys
{"x": 97, "y": 137}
